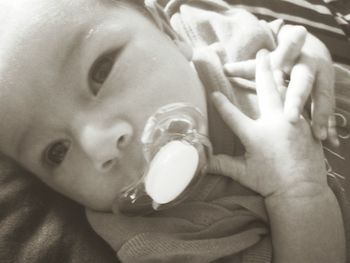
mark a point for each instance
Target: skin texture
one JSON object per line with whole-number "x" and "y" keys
{"x": 308, "y": 63}
{"x": 50, "y": 57}
{"x": 288, "y": 171}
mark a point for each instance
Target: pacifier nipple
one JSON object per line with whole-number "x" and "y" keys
{"x": 176, "y": 150}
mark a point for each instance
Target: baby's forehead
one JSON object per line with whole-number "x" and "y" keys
{"x": 27, "y": 17}
{"x": 33, "y": 33}
{"x": 28, "y": 13}
{"x": 30, "y": 25}
{"x": 39, "y": 34}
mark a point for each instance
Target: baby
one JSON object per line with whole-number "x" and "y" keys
{"x": 78, "y": 82}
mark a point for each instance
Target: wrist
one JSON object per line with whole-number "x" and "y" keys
{"x": 306, "y": 228}
{"x": 303, "y": 195}
{"x": 301, "y": 190}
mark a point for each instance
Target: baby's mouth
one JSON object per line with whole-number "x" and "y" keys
{"x": 175, "y": 151}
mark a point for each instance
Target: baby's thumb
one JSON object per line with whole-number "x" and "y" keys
{"x": 242, "y": 69}
{"x": 233, "y": 167}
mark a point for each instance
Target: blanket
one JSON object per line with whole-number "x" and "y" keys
{"x": 38, "y": 225}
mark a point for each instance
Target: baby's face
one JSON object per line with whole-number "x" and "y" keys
{"x": 80, "y": 80}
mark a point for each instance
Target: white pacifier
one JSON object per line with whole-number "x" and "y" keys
{"x": 176, "y": 150}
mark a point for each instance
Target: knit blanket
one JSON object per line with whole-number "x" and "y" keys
{"x": 39, "y": 225}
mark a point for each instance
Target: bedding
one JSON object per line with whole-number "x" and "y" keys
{"x": 341, "y": 12}
{"x": 313, "y": 14}
{"x": 38, "y": 225}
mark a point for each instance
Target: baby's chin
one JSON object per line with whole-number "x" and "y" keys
{"x": 104, "y": 206}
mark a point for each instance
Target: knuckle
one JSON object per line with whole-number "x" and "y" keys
{"x": 222, "y": 106}
{"x": 325, "y": 94}
{"x": 321, "y": 118}
{"x": 301, "y": 29}
{"x": 294, "y": 33}
{"x": 215, "y": 165}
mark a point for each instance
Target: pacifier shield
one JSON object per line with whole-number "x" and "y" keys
{"x": 176, "y": 149}
{"x": 171, "y": 171}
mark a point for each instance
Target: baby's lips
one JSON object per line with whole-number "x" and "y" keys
{"x": 133, "y": 202}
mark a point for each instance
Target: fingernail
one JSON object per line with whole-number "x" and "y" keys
{"x": 228, "y": 68}
{"x": 262, "y": 53}
{"x": 336, "y": 142}
{"x": 323, "y": 133}
{"x": 216, "y": 96}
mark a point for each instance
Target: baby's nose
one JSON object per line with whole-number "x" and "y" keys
{"x": 105, "y": 145}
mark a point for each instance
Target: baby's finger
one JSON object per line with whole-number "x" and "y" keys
{"x": 332, "y": 132}
{"x": 323, "y": 104}
{"x": 243, "y": 83}
{"x": 280, "y": 77}
{"x": 233, "y": 117}
{"x": 243, "y": 69}
{"x": 299, "y": 89}
{"x": 268, "y": 95}
{"x": 290, "y": 42}
{"x": 228, "y": 166}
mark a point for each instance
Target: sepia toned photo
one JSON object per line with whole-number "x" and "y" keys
{"x": 180, "y": 131}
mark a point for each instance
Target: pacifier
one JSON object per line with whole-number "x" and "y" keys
{"x": 176, "y": 151}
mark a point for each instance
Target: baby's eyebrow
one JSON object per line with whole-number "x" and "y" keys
{"x": 73, "y": 46}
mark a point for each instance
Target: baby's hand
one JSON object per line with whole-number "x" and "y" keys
{"x": 281, "y": 156}
{"x": 308, "y": 63}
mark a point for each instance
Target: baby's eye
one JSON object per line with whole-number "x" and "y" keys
{"x": 100, "y": 71}
{"x": 56, "y": 152}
